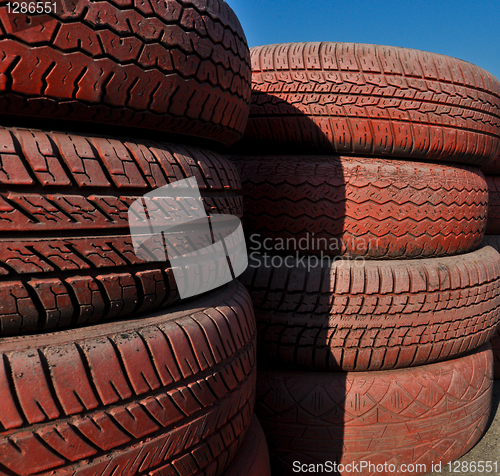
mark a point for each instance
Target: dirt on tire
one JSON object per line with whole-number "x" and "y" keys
{"x": 371, "y": 207}
{"x": 373, "y": 315}
{"x": 171, "y": 392}
{"x": 348, "y": 98}
{"x": 67, "y": 258}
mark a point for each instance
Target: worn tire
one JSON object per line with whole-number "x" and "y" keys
{"x": 177, "y": 66}
{"x": 373, "y": 315}
{"x": 493, "y": 224}
{"x": 347, "y": 98}
{"x": 252, "y": 458}
{"x": 423, "y": 415}
{"x": 374, "y": 208}
{"x": 66, "y": 255}
{"x": 494, "y": 242}
{"x": 172, "y": 390}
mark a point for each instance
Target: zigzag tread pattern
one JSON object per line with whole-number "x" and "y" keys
{"x": 381, "y": 315}
{"x": 431, "y": 413}
{"x": 368, "y": 207}
{"x": 176, "y": 66}
{"x": 160, "y": 393}
{"x": 372, "y": 100}
{"x": 64, "y": 198}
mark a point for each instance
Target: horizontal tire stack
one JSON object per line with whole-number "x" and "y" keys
{"x": 104, "y": 370}
{"x": 143, "y": 394}
{"x": 73, "y": 193}
{"x": 492, "y": 238}
{"x": 362, "y": 259}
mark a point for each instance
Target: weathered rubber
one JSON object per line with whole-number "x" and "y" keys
{"x": 493, "y": 224}
{"x": 252, "y": 458}
{"x": 494, "y": 242}
{"x": 66, "y": 256}
{"x": 348, "y": 98}
{"x": 369, "y": 207}
{"x": 171, "y": 393}
{"x": 373, "y": 315}
{"x": 180, "y": 66}
{"x": 423, "y": 415}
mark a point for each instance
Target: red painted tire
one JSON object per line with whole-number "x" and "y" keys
{"x": 494, "y": 242}
{"x": 493, "y": 224}
{"x": 373, "y": 315}
{"x": 66, "y": 255}
{"x": 252, "y": 458}
{"x": 172, "y": 390}
{"x": 347, "y": 98}
{"x": 423, "y": 415}
{"x": 375, "y": 208}
{"x": 492, "y": 168}
{"x": 174, "y": 66}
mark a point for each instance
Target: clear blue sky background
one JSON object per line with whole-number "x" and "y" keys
{"x": 464, "y": 29}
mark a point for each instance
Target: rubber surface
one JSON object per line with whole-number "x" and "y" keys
{"x": 375, "y": 208}
{"x": 180, "y": 66}
{"x": 492, "y": 168}
{"x": 66, "y": 257}
{"x": 169, "y": 393}
{"x": 347, "y": 98}
{"x": 491, "y": 240}
{"x": 494, "y": 242}
{"x": 252, "y": 458}
{"x": 433, "y": 413}
{"x": 372, "y": 315}
{"x": 493, "y": 224}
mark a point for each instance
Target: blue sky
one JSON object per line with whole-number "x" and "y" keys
{"x": 465, "y": 29}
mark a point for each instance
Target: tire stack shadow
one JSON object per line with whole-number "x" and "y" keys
{"x": 387, "y": 363}
{"x": 492, "y": 238}
{"x": 290, "y": 199}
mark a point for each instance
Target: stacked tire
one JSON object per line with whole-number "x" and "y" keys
{"x": 253, "y": 457}
{"x": 104, "y": 369}
{"x": 365, "y": 211}
{"x": 492, "y": 238}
